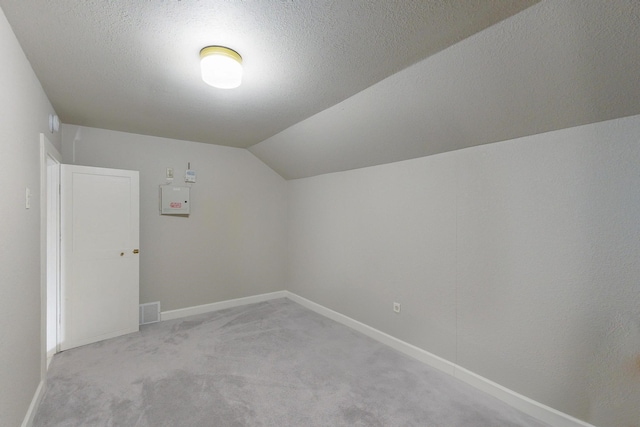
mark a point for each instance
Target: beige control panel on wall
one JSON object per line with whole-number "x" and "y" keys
{"x": 174, "y": 200}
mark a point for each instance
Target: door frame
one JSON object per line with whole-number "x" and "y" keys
{"x": 50, "y": 160}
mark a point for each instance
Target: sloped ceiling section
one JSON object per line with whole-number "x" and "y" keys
{"x": 133, "y": 66}
{"x": 555, "y": 65}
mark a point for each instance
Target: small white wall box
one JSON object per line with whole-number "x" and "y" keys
{"x": 174, "y": 200}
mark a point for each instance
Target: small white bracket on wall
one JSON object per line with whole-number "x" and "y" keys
{"x": 54, "y": 123}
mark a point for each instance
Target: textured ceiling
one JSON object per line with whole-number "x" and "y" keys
{"x": 334, "y": 85}
{"x": 556, "y": 65}
{"x": 133, "y": 65}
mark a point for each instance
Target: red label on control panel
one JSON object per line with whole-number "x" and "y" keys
{"x": 175, "y": 205}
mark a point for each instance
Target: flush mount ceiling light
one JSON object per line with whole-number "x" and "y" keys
{"x": 221, "y": 67}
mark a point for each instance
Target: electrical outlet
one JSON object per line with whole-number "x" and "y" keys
{"x": 397, "y": 307}
{"x": 169, "y": 173}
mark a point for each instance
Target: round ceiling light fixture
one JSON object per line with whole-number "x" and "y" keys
{"x": 221, "y": 67}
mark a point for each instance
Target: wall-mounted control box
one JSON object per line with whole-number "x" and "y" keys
{"x": 174, "y": 200}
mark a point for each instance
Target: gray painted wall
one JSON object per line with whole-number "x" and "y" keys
{"x": 234, "y": 242}
{"x": 24, "y": 114}
{"x": 555, "y": 65}
{"x": 515, "y": 260}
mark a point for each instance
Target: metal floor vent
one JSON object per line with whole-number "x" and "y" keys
{"x": 150, "y": 312}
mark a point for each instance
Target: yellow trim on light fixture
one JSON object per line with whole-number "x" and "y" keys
{"x": 221, "y": 67}
{"x": 220, "y": 50}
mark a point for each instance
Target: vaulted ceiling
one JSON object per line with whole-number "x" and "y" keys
{"x": 334, "y": 85}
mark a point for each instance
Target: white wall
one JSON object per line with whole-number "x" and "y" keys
{"x": 233, "y": 243}
{"x": 555, "y": 65}
{"x": 24, "y": 114}
{"x": 516, "y": 260}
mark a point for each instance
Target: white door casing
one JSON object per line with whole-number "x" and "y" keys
{"x": 100, "y": 261}
{"x": 50, "y": 160}
{"x": 53, "y": 253}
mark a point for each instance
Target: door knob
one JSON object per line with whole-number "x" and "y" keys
{"x": 135, "y": 251}
{"x": 121, "y": 253}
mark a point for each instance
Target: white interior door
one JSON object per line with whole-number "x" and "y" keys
{"x": 100, "y": 264}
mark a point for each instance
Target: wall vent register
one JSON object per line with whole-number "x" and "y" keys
{"x": 149, "y": 312}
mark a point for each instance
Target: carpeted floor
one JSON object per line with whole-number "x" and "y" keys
{"x": 268, "y": 364}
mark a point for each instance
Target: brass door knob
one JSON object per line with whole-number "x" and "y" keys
{"x": 135, "y": 251}
{"x": 121, "y": 253}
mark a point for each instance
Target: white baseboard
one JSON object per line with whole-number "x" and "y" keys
{"x": 35, "y": 402}
{"x": 205, "y": 308}
{"x": 528, "y": 406}
{"x": 408, "y": 349}
{"x": 523, "y": 403}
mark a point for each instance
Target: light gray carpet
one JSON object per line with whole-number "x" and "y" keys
{"x": 268, "y": 364}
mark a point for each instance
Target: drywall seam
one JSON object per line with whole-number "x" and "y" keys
{"x": 456, "y": 262}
